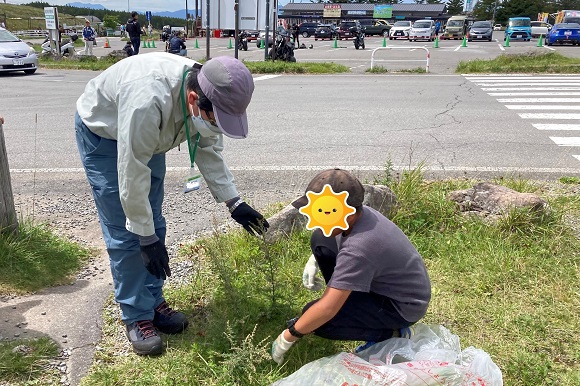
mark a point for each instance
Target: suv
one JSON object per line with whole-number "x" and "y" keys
{"x": 346, "y": 28}
{"x": 307, "y": 29}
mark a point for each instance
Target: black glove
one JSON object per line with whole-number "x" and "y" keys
{"x": 250, "y": 219}
{"x": 156, "y": 259}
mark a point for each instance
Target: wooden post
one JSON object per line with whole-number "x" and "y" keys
{"x": 8, "y": 219}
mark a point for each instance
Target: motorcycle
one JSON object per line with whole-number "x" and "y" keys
{"x": 359, "y": 38}
{"x": 67, "y": 47}
{"x": 243, "y": 41}
{"x": 283, "y": 48}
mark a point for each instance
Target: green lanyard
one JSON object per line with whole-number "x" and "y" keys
{"x": 194, "y": 150}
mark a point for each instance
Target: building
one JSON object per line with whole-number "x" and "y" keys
{"x": 335, "y": 13}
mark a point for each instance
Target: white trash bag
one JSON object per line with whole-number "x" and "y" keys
{"x": 431, "y": 357}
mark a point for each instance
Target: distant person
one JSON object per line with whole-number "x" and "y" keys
{"x": 296, "y": 35}
{"x": 150, "y": 30}
{"x": 177, "y": 45}
{"x": 122, "y": 30}
{"x": 135, "y": 31}
{"x": 437, "y": 27}
{"x": 88, "y": 37}
{"x": 60, "y": 32}
{"x": 128, "y": 49}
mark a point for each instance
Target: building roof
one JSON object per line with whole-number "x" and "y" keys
{"x": 366, "y": 7}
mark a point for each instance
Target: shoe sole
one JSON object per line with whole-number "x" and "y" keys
{"x": 155, "y": 350}
{"x": 173, "y": 331}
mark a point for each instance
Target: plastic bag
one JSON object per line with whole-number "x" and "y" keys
{"x": 431, "y": 357}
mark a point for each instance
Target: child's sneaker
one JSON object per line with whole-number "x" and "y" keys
{"x": 364, "y": 346}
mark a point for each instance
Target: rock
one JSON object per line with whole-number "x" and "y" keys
{"x": 378, "y": 197}
{"x": 120, "y": 54}
{"x": 495, "y": 199}
{"x": 22, "y": 349}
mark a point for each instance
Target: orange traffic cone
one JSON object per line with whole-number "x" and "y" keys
{"x": 107, "y": 44}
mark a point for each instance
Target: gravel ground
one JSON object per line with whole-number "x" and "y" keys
{"x": 64, "y": 202}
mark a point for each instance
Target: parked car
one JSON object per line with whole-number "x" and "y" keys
{"x": 518, "y": 28}
{"x": 539, "y": 28}
{"x": 497, "y": 27}
{"x": 422, "y": 30}
{"x": 563, "y": 33}
{"x": 253, "y": 35}
{"x": 307, "y": 29}
{"x": 480, "y": 30}
{"x": 400, "y": 30}
{"x": 15, "y": 55}
{"x": 346, "y": 28}
{"x": 326, "y": 31}
{"x": 377, "y": 27}
{"x": 262, "y": 36}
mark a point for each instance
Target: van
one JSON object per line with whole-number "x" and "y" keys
{"x": 456, "y": 27}
{"x": 307, "y": 29}
{"x": 422, "y": 29}
{"x": 519, "y": 28}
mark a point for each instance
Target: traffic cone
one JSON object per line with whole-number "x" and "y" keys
{"x": 384, "y": 41}
{"x": 153, "y": 44}
{"x": 196, "y": 44}
{"x": 148, "y": 44}
{"x": 436, "y": 43}
{"x": 507, "y": 41}
{"x": 335, "y": 45}
{"x": 540, "y": 40}
{"x": 230, "y": 44}
{"x": 464, "y": 42}
{"x": 144, "y": 44}
{"x": 107, "y": 43}
{"x": 262, "y": 44}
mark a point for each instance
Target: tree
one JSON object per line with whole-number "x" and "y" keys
{"x": 455, "y": 7}
{"x": 110, "y": 21}
{"x": 483, "y": 10}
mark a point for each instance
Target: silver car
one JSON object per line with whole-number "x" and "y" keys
{"x": 15, "y": 55}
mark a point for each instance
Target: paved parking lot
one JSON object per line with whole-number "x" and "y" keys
{"x": 443, "y": 60}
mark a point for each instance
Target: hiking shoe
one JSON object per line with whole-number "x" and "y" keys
{"x": 364, "y": 346}
{"x": 144, "y": 338}
{"x": 169, "y": 321}
{"x": 405, "y": 332}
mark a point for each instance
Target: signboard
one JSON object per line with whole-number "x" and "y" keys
{"x": 332, "y": 10}
{"x": 148, "y": 15}
{"x": 383, "y": 12}
{"x": 362, "y": 13}
{"x": 51, "y": 17}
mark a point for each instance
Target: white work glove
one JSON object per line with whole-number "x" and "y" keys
{"x": 279, "y": 348}
{"x": 309, "y": 278}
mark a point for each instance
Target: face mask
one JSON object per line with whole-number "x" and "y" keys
{"x": 203, "y": 127}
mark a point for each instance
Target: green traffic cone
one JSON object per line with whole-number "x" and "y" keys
{"x": 153, "y": 44}
{"x": 436, "y": 43}
{"x": 144, "y": 44}
{"x": 148, "y": 44}
{"x": 384, "y": 41}
{"x": 262, "y": 44}
{"x": 507, "y": 41}
{"x": 230, "y": 44}
{"x": 335, "y": 43}
{"x": 540, "y": 40}
{"x": 464, "y": 42}
{"x": 196, "y": 43}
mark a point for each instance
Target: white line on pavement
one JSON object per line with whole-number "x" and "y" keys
{"x": 532, "y": 89}
{"x": 549, "y": 116}
{"x": 556, "y": 126}
{"x": 538, "y": 100}
{"x": 542, "y": 107}
{"x": 577, "y": 157}
{"x": 528, "y": 83}
{"x": 509, "y": 78}
{"x": 457, "y": 49}
{"x": 264, "y": 77}
{"x": 532, "y": 93}
{"x": 501, "y": 47}
{"x": 566, "y": 141}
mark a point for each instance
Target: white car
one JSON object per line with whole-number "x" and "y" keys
{"x": 400, "y": 30}
{"x": 422, "y": 30}
{"x": 539, "y": 28}
{"x": 15, "y": 55}
{"x": 497, "y": 27}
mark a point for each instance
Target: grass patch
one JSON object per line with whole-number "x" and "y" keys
{"x": 377, "y": 70}
{"x": 572, "y": 180}
{"x": 80, "y": 62}
{"x": 510, "y": 288}
{"x": 533, "y": 62}
{"x": 281, "y": 67}
{"x": 36, "y": 258}
{"x": 25, "y": 362}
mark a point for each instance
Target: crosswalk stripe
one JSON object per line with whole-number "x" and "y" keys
{"x": 556, "y": 93}
{"x": 549, "y": 116}
{"x": 577, "y": 157}
{"x": 542, "y": 107}
{"x": 575, "y": 83}
{"x": 566, "y": 141}
{"x": 531, "y": 89}
{"x": 556, "y": 126}
{"x": 538, "y": 100}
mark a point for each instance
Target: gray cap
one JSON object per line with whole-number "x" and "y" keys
{"x": 229, "y": 85}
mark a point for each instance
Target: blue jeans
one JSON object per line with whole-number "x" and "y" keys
{"x": 365, "y": 315}
{"x": 136, "y": 41}
{"x": 136, "y": 290}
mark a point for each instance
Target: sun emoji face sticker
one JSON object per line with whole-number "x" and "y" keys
{"x": 327, "y": 210}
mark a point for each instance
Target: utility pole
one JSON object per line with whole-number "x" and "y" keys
{"x": 207, "y": 30}
{"x": 494, "y": 11}
{"x": 186, "y": 21}
{"x": 236, "y": 26}
{"x": 267, "y": 31}
{"x": 8, "y": 219}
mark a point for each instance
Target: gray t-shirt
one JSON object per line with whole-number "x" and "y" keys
{"x": 378, "y": 257}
